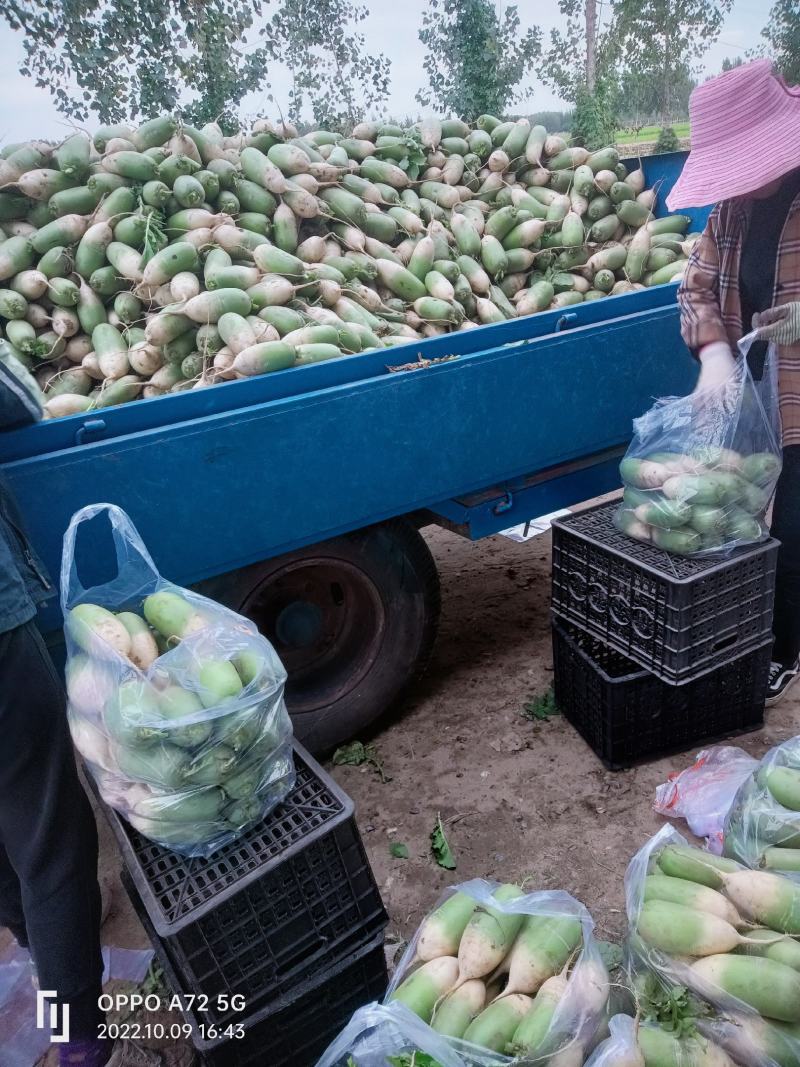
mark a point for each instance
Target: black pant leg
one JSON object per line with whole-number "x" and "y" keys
{"x": 47, "y": 828}
{"x": 786, "y": 527}
{"x": 11, "y": 914}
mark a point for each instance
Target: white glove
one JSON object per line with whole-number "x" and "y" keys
{"x": 716, "y": 366}
{"x": 780, "y": 324}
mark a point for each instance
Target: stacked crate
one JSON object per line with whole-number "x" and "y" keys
{"x": 655, "y": 652}
{"x": 286, "y": 921}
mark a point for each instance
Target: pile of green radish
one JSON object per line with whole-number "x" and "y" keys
{"x": 704, "y": 502}
{"x": 161, "y": 258}
{"x": 495, "y": 968}
{"x": 762, "y": 828}
{"x": 727, "y": 933}
{"x": 179, "y": 714}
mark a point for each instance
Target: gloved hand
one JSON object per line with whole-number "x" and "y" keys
{"x": 716, "y": 366}
{"x": 780, "y": 324}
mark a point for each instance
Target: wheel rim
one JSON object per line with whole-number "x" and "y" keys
{"x": 326, "y": 620}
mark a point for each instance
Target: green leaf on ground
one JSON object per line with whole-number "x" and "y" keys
{"x": 541, "y": 708}
{"x": 440, "y": 848}
{"x": 399, "y": 850}
{"x": 412, "y": 1059}
{"x": 355, "y": 754}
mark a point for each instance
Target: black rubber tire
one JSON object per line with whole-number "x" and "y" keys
{"x": 384, "y": 602}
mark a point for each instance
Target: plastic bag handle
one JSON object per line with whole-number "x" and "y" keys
{"x": 126, "y": 540}
{"x": 767, "y": 385}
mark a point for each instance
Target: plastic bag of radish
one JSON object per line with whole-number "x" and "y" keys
{"x": 710, "y": 926}
{"x": 497, "y": 970}
{"x": 174, "y": 702}
{"x": 762, "y": 828}
{"x": 701, "y": 469}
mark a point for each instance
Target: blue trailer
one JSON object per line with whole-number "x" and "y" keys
{"x": 297, "y": 497}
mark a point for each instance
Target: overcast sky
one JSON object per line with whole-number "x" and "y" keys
{"x": 391, "y": 29}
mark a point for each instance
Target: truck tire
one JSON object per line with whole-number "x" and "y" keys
{"x": 353, "y": 619}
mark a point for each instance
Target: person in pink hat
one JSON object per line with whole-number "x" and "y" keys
{"x": 743, "y": 274}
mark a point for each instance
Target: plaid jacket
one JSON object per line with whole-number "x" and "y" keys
{"x": 709, "y": 295}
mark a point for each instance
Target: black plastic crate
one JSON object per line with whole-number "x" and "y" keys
{"x": 298, "y": 1034}
{"x": 299, "y": 1023}
{"x": 289, "y": 898}
{"x": 678, "y": 618}
{"x": 627, "y": 714}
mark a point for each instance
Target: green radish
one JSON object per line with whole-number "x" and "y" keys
{"x": 197, "y": 806}
{"x": 669, "y": 224}
{"x": 542, "y": 947}
{"x": 132, "y": 715}
{"x": 172, "y": 616}
{"x": 496, "y": 1025}
{"x": 764, "y": 898}
{"x": 119, "y": 391}
{"x": 762, "y": 468}
{"x": 772, "y": 989}
{"x": 667, "y": 514}
{"x": 133, "y": 165}
{"x": 209, "y": 306}
{"x": 111, "y": 350}
{"x": 633, "y": 213}
{"x": 144, "y": 650}
{"x": 690, "y": 895}
{"x": 707, "y": 519}
{"x": 682, "y": 541}
{"x": 754, "y": 498}
{"x": 82, "y": 201}
{"x": 12, "y": 305}
{"x": 784, "y": 784}
{"x": 161, "y": 765}
{"x": 457, "y": 1011}
{"x": 664, "y": 274}
{"x": 488, "y": 936}
{"x": 315, "y": 352}
{"x": 775, "y": 1040}
{"x": 175, "y": 258}
{"x": 210, "y": 767}
{"x": 764, "y": 942}
{"x": 637, "y": 255}
{"x": 663, "y": 1049}
{"x": 176, "y": 704}
{"x": 743, "y": 527}
{"x": 86, "y": 622}
{"x": 426, "y": 987}
{"x": 530, "y": 1036}
{"x": 264, "y": 357}
{"x": 493, "y": 257}
{"x": 55, "y": 263}
{"x": 90, "y": 254}
{"x": 154, "y": 132}
{"x": 61, "y": 232}
{"x": 683, "y": 931}
{"x": 599, "y": 207}
{"x": 440, "y": 932}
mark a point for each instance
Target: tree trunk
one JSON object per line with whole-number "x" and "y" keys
{"x": 591, "y": 44}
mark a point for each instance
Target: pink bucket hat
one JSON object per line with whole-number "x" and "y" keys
{"x": 745, "y": 134}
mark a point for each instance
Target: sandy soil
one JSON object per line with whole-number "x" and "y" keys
{"x": 519, "y": 800}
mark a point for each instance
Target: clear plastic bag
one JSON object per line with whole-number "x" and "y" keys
{"x": 580, "y": 980}
{"x": 721, "y": 1018}
{"x": 701, "y": 469}
{"x": 377, "y": 1032}
{"x": 763, "y": 828}
{"x": 703, "y": 793}
{"x": 621, "y": 1048}
{"x": 176, "y": 705}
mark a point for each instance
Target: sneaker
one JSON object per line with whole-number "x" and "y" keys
{"x": 781, "y": 677}
{"x": 129, "y": 1054}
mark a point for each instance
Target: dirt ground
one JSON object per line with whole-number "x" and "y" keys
{"x": 518, "y": 799}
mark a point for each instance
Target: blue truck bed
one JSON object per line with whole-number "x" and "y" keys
{"x": 531, "y": 415}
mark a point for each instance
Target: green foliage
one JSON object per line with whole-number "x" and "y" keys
{"x": 541, "y": 708}
{"x": 553, "y": 121}
{"x": 782, "y": 34}
{"x": 356, "y": 753}
{"x": 640, "y": 95}
{"x": 667, "y": 140}
{"x": 475, "y": 60}
{"x": 319, "y": 42}
{"x": 398, "y": 850}
{"x": 662, "y": 38}
{"x": 440, "y": 847}
{"x": 132, "y": 60}
{"x": 731, "y": 64}
{"x": 412, "y": 1059}
{"x": 580, "y": 51}
{"x": 672, "y": 1007}
{"x": 594, "y": 122}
